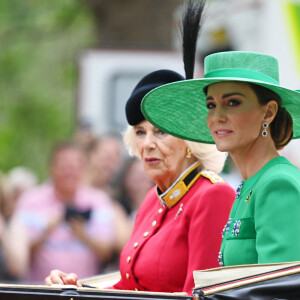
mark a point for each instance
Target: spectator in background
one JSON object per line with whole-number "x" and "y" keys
{"x": 14, "y": 246}
{"x": 19, "y": 180}
{"x": 84, "y": 135}
{"x": 103, "y": 162}
{"x": 104, "y": 157}
{"x": 71, "y": 226}
{"x": 133, "y": 185}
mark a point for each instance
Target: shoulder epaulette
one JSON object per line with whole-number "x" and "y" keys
{"x": 212, "y": 176}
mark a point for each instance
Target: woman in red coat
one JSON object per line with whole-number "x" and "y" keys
{"x": 177, "y": 228}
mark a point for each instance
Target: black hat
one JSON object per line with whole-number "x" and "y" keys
{"x": 146, "y": 84}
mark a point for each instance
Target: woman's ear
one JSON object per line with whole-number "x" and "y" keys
{"x": 271, "y": 109}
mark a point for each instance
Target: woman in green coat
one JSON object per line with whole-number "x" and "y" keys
{"x": 240, "y": 106}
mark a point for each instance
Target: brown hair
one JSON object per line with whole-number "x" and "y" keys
{"x": 282, "y": 126}
{"x": 64, "y": 145}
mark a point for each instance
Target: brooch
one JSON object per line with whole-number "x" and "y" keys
{"x": 248, "y": 197}
{"x": 179, "y": 211}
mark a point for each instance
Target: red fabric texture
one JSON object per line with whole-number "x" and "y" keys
{"x": 179, "y": 242}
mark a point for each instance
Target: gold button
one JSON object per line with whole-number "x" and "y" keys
{"x": 154, "y": 223}
{"x": 128, "y": 259}
{"x": 135, "y": 244}
{"x": 127, "y": 276}
{"x": 146, "y": 234}
{"x": 136, "y": 289}
{"x": 160, "y": 210}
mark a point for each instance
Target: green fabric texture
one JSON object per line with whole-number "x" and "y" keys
{"x": 268, "y": 209}
{"x": 179, "y": 108}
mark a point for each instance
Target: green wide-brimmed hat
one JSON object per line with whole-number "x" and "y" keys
{"x": 180, "y": 108}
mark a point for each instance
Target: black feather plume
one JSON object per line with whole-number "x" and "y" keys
{"x": 191, "y": 24}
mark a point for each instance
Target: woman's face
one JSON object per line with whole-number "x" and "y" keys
{"x": 137, "y": 183}
{"x": 67, "y": 168}
{"x": 163, "y": 156}
{"x": 235, "y": 116}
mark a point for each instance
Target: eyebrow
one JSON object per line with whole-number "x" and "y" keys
{"x": 226, "y": 95}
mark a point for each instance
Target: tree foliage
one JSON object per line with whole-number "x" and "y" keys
{"x": 40, "y": 40}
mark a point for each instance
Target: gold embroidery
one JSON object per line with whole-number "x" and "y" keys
{"x": 212, "y": 176}
{"x": 173, "y": 195}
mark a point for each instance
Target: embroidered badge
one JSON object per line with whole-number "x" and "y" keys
{"x": 236, "y": 228}
{"x": 226, "y": 227}
{"x": 220, "y": 259}
{"x": 175, "y": 194}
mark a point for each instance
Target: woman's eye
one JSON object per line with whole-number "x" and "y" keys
{"x": 234, "y": 102}
{"x": 210, "y": 105}
{"x": 139, "y": 132}
{"x": 160, "y": 132}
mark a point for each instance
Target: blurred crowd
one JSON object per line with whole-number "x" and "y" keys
{"x": 79, "y": 218}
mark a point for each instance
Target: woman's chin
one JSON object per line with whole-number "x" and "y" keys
{"x": 222, "y": 148}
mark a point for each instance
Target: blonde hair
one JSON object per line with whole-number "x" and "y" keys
{"x": 210, "y": 157}
{"x": 129, "y": 141}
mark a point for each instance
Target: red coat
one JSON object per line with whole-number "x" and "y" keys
{"x": 167, "y": 245}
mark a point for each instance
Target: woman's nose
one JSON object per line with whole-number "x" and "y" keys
{"x": 218, "y": 115}
{"x": 149, "y": 141}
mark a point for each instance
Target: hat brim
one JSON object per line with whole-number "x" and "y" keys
{"x": 179, "y": 108}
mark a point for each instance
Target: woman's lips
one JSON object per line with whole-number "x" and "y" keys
{"x": 151, "y": 160}
{"x": 222, "y": 132}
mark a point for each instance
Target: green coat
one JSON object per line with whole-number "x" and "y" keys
{"x": 264, "y": 223}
